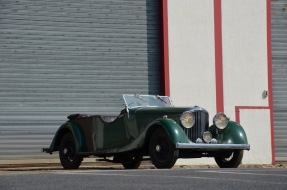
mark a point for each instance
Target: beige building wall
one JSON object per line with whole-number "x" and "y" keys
{"x": 244, "y": 60}
{"x": 191, "y": 53}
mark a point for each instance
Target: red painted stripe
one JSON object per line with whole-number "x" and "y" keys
{"x": 165, "y": 53}
{"x": 238, "y": 108}
{"x": 218, "y": 56}
{"x": 270, "y": 84}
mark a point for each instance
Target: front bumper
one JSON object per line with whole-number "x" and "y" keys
{"x": 212, "y": 147}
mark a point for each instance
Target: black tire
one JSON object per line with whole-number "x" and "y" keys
{"x": 67, "y": 153}
{"x": 230, "y": 160}
{"x": 132, "y": 162}
{"x": 161, "y": 150}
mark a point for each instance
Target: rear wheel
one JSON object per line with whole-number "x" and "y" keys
{"x": 132, "y": 162}
{"x": 230, "y": 159}
{"x": 67, "y": 153}
{"x": 162, "y": 151}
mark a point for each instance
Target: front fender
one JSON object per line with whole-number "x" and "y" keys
{"x": 232, "y": 134}
{"x": 66, "y": 128}
{"x": 174, "y": 131}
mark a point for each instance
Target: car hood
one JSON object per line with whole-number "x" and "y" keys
{"x": 147, "y": 114}
{"x": 159, "y": 110}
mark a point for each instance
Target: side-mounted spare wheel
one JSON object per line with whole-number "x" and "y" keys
{"x": 161, "y": 150}
{"x": 67, "y": 153}
{"x": 229, "y": 159}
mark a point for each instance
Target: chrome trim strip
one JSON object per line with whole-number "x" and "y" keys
{"x": 212, "y": 146}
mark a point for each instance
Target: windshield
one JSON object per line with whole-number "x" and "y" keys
{"x": 136, "y": 100}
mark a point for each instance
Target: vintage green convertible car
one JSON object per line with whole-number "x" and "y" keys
{"x": 150, "y": 127}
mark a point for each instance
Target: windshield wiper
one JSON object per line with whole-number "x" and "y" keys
{"x": 160, "y": 98}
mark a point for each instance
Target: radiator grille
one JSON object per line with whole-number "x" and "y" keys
{"x": 201, "y": 125}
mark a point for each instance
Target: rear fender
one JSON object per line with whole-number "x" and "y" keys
{"x": 68, "y": 127}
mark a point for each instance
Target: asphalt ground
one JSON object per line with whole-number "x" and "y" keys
{"x": 107, "y": 165}
{"x": 115, "y": 177}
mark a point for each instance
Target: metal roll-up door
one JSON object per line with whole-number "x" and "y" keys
{"x": 59, "y": 57}
{"x": 279, "y": 62}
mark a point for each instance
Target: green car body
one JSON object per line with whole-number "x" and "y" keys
{"x": 130, "y": 136}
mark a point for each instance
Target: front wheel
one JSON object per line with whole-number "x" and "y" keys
{"x": 162, "y": 151}
{"x": 230, "y": 159}
{"x": 67, "y": 153}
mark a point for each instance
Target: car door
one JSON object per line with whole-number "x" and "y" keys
{"x": 109, "y": 135}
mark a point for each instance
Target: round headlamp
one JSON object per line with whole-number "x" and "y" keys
{"x": 187, "y": 119}
{"x": 220, "y": 120}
